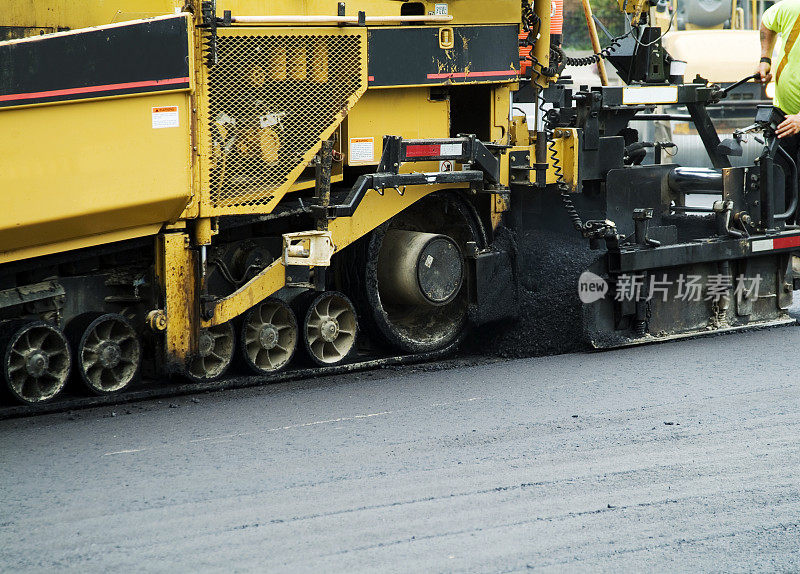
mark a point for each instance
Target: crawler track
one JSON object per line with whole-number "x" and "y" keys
{"x": 154, "y": 389}
{"x": 165, "y": 388}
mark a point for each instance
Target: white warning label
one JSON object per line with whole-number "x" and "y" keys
{"x": 451, "y": 149}
{"x": 362, "y": 150}
{"x": 165, "y": 117}
{"x": 441, "y": 9}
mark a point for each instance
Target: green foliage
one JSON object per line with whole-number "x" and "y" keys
{"x": 576, "y": 34}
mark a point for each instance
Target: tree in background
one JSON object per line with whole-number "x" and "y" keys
{"x": 576, "y": 36}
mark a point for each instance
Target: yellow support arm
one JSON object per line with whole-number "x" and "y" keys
{"x": 374, "y": 210}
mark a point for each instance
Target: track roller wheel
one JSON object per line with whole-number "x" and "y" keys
{"x": 269, "y": 337}
{"x": 329, "y": 328}
{"x": 215, "y": 350}
{"x": 36, "y": 361}
{"x": 108, "y": 352}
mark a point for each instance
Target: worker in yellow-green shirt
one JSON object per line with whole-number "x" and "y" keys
{"x": 783, "y": 18}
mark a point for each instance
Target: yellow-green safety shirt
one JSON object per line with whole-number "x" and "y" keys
{"x": 782, "y": 18}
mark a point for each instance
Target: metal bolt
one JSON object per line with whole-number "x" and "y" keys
{"x": 157, "y": 320}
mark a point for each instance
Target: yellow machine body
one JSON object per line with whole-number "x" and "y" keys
{"x": 236, "y": 178}
{"x": 109, "y": 170}
{"x": 242, "y": 134}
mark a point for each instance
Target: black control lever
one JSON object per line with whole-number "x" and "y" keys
{"x": 725, "y": 91}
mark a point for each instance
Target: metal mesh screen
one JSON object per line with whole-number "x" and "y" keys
{"x": 272, "y": 97}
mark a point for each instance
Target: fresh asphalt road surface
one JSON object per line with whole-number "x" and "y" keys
{"x": 681, "y": 456}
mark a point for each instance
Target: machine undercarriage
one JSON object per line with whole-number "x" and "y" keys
{"x": 317, "y": 222}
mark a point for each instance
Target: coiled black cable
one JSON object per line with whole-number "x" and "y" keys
{"x": 563, "y": 187}
{"x": 550, "y": 72}
{"x": 530, "y": 20}
{"x": 601, "y": 55}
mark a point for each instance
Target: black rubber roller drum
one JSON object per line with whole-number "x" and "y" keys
{"x": 420, "y": 268}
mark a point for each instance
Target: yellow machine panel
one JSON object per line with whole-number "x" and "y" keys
{"x": 86, "y": 154}
{"x": 414, "y": 115}
{"x": 80, "y": 169}
{"x": 57, "y": 15}
{"x": 61, "y": 14}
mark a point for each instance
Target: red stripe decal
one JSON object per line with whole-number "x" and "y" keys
{"x": 423, "y": 150}
{"x": 472, "y": 74}
{"x": 94, "y": 89}
{"x": 785, "y": 242}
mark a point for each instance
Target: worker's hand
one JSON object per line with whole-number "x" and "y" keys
{"x": 789, "y": 126}
{"x": 764, "y": 72}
